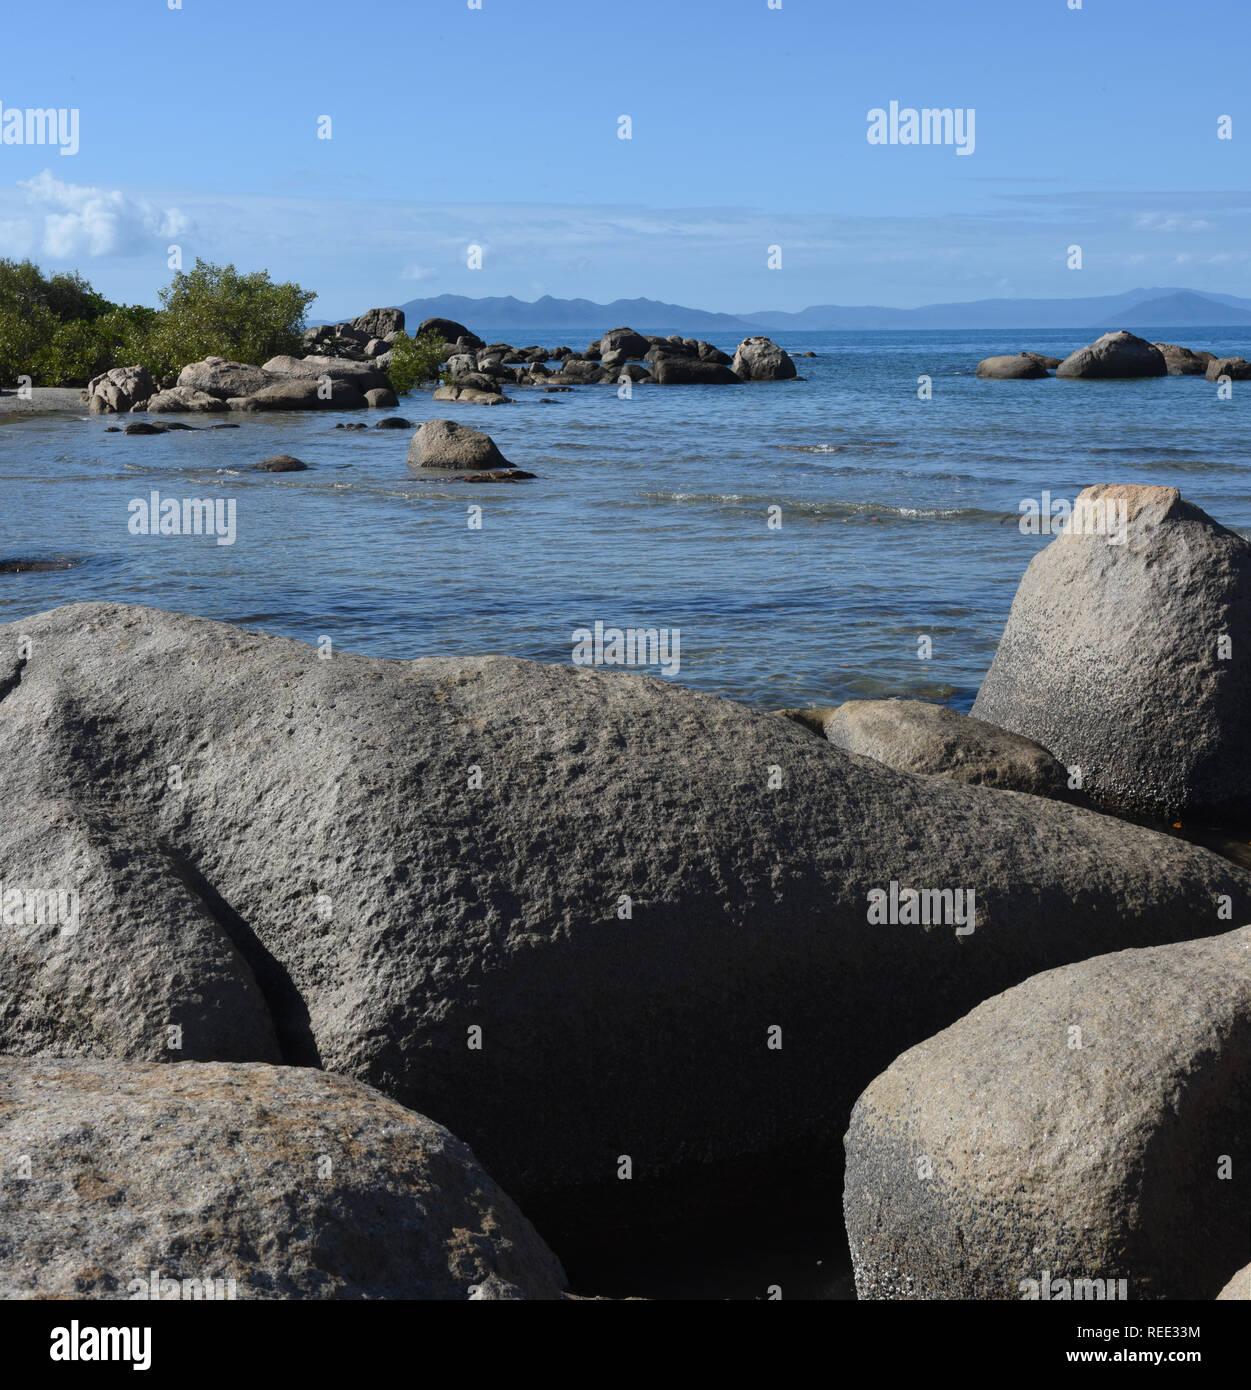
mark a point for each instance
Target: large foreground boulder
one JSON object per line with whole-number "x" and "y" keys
{"x": 566, "y": 911}
{"x": 448, "y": 444}
{"x": 118, "y": 390}
{"x": 916, "y": 736}
{"x": 760, "y": 359}
{"x": 279, "y": 1182}
{"x": 1093, "y": 1123}
{"x": 84, "y": 890}
{"x": 1120, "y": 354}
{"x": 1019, "y": 366}
{"x": 1130, "y": 658}
{"x": 1239, "y": 1287}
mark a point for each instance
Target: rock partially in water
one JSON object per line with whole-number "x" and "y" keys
{"x": 447, "y": 444}
{"x": 1021, "y": 366}
{"x": 1181, "y": 361}
{"x": 33, "y": 565}
{"x": 281, "y": 463}
{"x": 119, "y": 389}
{"x": 498, "y": 475}
{"x": 627, "y": 886}
{"x": 761, "y": 359}
{"x": 1115, "y": 355}
{"x": 1235, "y": 368}
{"x": 1127, "y": 654}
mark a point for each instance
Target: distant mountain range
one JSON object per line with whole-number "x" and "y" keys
{"x": 1136, "y": 309}
{"x": 643, "y": 315}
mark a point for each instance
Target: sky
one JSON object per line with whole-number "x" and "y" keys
{"x": 499, "y": 127}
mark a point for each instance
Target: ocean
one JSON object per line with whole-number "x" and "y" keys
{"x": 898, "y": 516}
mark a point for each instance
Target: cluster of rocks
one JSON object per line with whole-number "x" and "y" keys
{"x": 346, "y": 364}
{"x": 217, "y": 384}
{"x": 583, "y": 920}
{"x": 367, "y": 338}
{"x": 1119, "y": 355}
{"x": 479, "y": 371}
{"x": 1082, "y": 1129}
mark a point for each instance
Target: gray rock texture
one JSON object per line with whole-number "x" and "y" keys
{"x": 1120, "y": 354}
{"x": 1019, "y": 366}
{"x": 916, "y": 736}
{"x": 624, "y": 884}
{"x": 292, "y": 1183}
{"x": 1093, "y": 1122}
{"x": 448, "y": 444}
{"x": 1132, "y": 661}
{"x": 760, "y": 359}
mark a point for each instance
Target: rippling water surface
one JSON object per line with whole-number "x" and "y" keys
{"x": 899, "y": 516}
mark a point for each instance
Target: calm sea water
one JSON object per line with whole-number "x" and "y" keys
{"x": 899, "y": 516}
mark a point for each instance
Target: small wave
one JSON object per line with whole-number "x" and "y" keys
{"x": 838, "y": 448}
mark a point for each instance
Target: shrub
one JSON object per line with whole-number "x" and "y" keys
{"x": 214, "y": 310}
{"x": 414, "y": 360}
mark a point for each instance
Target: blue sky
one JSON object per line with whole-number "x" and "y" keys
{"x": 498, "y": 127}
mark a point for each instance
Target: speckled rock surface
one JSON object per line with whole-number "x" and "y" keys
{"x": 1133, "y": 661}
{"x": 623, "y": 884}
{"x": 1094, "y": 1123}
{"x": 917, "y": 736}
{"x": 290, "y": 1182}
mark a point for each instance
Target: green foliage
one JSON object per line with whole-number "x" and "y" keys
{"x": 414, "y": 360}
{"x": 58, "y": 331}
{"x": 214, "y": 310}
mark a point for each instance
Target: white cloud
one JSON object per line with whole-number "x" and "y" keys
{"x": 419, "y": 272}
{"x": 82, "y": 221}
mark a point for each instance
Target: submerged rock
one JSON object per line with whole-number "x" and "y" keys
{"x": 1088, "y": 1123}
{"x": 1127, "y": 653}
{"x": 281, "y": 463}
{"x": 218, "y": 1182}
